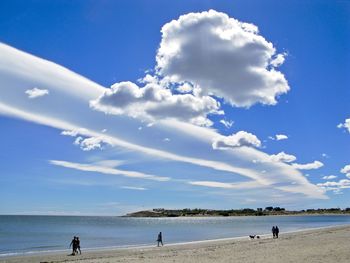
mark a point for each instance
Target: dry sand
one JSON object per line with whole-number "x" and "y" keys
{"x": 318, "y": 245}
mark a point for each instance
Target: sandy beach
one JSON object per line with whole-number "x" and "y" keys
{"x": 317, "y": 245}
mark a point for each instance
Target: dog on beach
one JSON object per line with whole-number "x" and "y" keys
{"x": 253, "y": 236}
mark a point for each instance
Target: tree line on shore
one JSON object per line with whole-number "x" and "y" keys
{"x": 269, "y": 210}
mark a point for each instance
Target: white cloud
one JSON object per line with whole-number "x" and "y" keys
{"x": 280, "y": 137}
{"x": 73, "y": 132}
{"x": 108, "y": 170}
{"x": 89, "y": 143}
{"x": 36, "y": 93}
{"x": 222, "y": 56}
{"x": 346, "y": 170}
{"x": 214, "y": 184}
{"x": 308, "y": 166}
{"x": 226, "y": 123}
{"x": 336, "y": 187}
{"x": 92, "y": 143}
{"x": 278, "y": 60}
{"x": 78, "y": 140}
{"x": 153, "y": 102}
{"x": 109, "y": 163}
{"x": 282, "y": 157}
{"x": 134, "y": 188}
{"x": 239, "y": 139}
{"x": 345, "y": 125}
{"x": 329, "y": 177}
{"x": 184, "y": 88}
{"x": 216, "y": 165}
{"x": 341, "y": 183}
{"x": 68, "y": 110}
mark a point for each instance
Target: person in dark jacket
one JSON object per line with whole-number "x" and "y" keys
{"x": 273, "y": 231}
{"x": 78, "y": 245}
{"x": 73, "y": 245}
{"x": 159, "y": 239}
{"x": 277, "y": 231}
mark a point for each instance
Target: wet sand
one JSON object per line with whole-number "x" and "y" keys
{"x": 311, "y": 246}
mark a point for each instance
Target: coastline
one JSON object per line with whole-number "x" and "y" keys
{"x": 194, "y": 250}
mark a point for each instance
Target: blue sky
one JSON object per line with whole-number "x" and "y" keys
{"x": 108, "y": 107}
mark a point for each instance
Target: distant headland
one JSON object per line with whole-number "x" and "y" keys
{"x": 267, "y": 211}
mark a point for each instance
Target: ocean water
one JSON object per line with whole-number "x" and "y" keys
{"x": 35, "y": 234}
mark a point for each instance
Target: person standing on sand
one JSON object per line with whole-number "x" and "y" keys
{"x": 73, "y": 244}
{"x": 277, "y": 231}
{"x": 159, "y": 239}
{"x": 273, "y": 231}
{"x": 78, "y": 245}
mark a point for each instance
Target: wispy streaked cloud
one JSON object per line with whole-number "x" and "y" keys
{"x": 134, "y": 188}
{"x": 329, "y": 177}
{"x": 108, "y": 170}
{"x": 214, "y": 184}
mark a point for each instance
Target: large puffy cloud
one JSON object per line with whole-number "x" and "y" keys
{"x": 201, "y": 54}
{"x": 222, "y": 56}
{"x": 345, "y": 125}
{"x": 308, "y": 166}
{"x": 239, "y": 139}
{"x": 153, "y": 102}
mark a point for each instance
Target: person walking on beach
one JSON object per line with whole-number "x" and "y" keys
{"x": 159, "y": 239}
{"x": 273, "y": 231}
{"x": 73, "y": 245}
{"x": 78, "y": 245}
{"x": 276, "y": 231}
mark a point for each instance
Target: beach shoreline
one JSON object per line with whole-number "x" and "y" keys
{"x": 306, "y": 242}
{"x": 148, "y": 246}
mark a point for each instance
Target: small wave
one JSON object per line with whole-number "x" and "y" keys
{"x": 23, "y": 253}
{"x": 51, "y": 246}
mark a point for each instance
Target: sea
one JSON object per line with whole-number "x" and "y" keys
{"x": 44, "y": 234}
